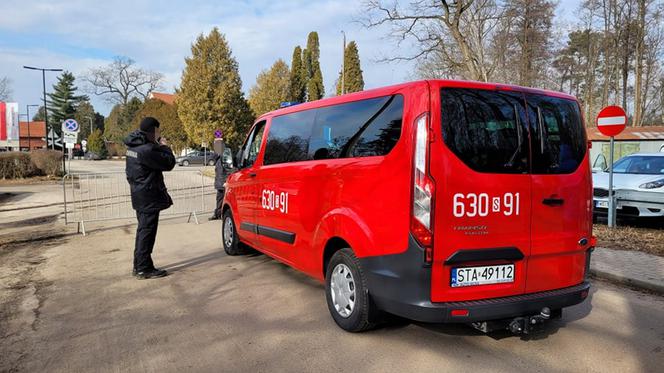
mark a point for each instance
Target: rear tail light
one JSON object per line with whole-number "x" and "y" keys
{"x": 423, "y": 190}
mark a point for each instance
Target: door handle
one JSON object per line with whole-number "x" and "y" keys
{"x": 553, "y": 201}
{"x": 252, "y": 174}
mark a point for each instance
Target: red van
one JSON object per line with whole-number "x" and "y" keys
{"x": 438, "y": 201}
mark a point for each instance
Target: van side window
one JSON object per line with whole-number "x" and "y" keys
{"x": 363, "y": 128}
{"x": 253, "y": 146}
{"x": 559, "y": 141}
{"x": 357, "y": 129}
{"x": 485, "y": 129}
{"x": 288, "y": 138}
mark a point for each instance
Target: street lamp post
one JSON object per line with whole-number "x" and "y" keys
{"x": 43, "y": 70}
{"x": 27, "y": 109}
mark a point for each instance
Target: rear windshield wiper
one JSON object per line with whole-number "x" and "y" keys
{"x": 519, "y": 136}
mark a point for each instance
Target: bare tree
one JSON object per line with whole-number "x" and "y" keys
{"x": 121, "y": 80}
{"x": 5, "y": 89}
{"x": 451, "y": 37}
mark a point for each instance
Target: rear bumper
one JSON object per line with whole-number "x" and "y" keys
{"x": 404, "y": 290}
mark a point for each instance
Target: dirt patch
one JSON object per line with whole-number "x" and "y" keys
{"x": 647, "y": 240}
{"x": 31, "y": 222}
{"x": 31, "y": 180}
{"x": 22, "y": 294}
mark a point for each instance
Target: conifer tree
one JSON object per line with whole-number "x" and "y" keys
{"x": 210, "y": 95}
{"x": 63, "y": 101}
{"x": 315, "y": 88}
{"x": 298, "y": 75}
{"x": 170, "y": 125}
{"x": 271, "y": 88}
{"x": 353, "y": 80}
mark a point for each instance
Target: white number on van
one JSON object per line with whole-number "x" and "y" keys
{"x": 271, "y": 200}
{"x": 472, "y": 204}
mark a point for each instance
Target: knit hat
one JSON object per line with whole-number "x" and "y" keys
{"x": 148, "y": 124}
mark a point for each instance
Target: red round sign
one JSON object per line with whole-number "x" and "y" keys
{"x": 611, "y": 120}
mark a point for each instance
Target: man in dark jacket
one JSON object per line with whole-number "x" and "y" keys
{"x": 220, "y": 174}
{"x": 147, "y": 157}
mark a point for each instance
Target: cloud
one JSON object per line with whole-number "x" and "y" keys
{"x": 78, "y": 34}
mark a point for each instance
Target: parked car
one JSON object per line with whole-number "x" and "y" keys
{"x": 438, "y": 201}
{"x": 638, "y": 183}
{"x": 92, "y": 156}
{"x": 196, "y": 157}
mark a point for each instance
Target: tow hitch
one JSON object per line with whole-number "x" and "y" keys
{"x": 518, "y": 325}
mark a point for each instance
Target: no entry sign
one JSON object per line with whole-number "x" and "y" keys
{"x": 611, "y": 120}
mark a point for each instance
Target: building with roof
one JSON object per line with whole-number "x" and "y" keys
{"x": 165, "y": 97}
{"x": 632, "y": 140}
{"x": 32, "y": 135}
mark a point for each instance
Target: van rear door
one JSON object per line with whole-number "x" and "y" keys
{"x": 482, "y": 213}
{"x": 561, "y": 192}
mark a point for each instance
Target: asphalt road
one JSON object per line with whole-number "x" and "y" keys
{"x": 84, "y": 312}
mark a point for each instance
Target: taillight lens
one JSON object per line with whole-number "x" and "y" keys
{"x": 423, "y": 190}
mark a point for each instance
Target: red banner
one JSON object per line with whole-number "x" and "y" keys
{"x": 3, "y": 121}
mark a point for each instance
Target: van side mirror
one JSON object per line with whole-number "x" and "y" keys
{"x": 238, "y": 159}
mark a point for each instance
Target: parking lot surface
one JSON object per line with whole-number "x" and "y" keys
{"x": 81, "y": 310}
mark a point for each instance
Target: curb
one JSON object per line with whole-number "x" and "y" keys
{"x": 645, "y": 285}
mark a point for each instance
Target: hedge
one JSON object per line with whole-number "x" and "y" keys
{"x": 17, "y": 165}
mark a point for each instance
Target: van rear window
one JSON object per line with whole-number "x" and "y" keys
{"x": 490, "y": 131}
{"x": 559, "y": 141}
{"x": 485, "y": 130}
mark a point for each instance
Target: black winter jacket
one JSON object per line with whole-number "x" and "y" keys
{"x": 145, "y": 162}
{"x": 220, "y": 172}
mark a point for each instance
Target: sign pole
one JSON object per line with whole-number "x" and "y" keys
{"x": 612, "y": 200}
{"x": 610, "y": 122}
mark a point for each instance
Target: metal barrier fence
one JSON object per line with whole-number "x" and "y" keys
{"x": 90, "y": 197}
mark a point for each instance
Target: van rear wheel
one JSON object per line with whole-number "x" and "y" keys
{"x": 229, "y": 238}
{"x": 346, "y": 292}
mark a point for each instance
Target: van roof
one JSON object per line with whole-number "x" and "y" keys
{"x": 388, "y": 90}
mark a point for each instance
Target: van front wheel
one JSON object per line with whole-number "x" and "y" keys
{"x": 346, "y": 292}
{"x": 229, "y": 238}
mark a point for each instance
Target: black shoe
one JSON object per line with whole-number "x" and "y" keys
{"x": 151, "y": 273}
{"x": 214, "y": 217}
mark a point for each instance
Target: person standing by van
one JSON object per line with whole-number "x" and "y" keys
{"x": 220, "y": 174}
{"x": 148, "y": 155}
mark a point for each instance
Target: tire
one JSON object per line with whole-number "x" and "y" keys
{"x": 210, "y": 163}
{"x": 232, "y": 245}
{"x": 345, "y": 270}
{"x": 185, "y": 163}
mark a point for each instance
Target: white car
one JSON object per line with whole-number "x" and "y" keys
{"x": 638, "y": 183}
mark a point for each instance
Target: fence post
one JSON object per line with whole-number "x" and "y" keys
{"x": 64, "y": 193}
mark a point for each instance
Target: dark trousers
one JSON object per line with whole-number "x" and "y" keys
{"x": 220, "y": 200}
{"x": 145, "y": 236}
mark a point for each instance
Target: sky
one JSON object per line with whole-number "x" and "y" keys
{"x": 77, "y": 35}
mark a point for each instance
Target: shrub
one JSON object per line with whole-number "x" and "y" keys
{"x": 15, "y": 165}
{"x": 96, "y": 144}
{"x": 47, "y": 162}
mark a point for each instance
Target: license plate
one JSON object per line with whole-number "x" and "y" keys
{"x": 602, "y": 204}
{"x": 472, "y": 276}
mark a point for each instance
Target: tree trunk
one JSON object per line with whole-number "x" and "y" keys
{"x": 638, "y": 56}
